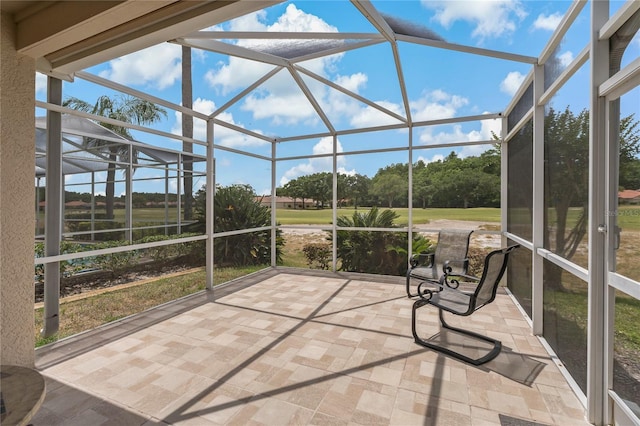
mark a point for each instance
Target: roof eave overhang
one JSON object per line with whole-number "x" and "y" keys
{"x": 115, "y": 29}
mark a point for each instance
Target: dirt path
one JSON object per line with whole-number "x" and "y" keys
{"x": 298, "y": 237}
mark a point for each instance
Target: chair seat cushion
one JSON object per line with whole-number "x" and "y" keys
{"x": 451, "y": 300}
{"x": 424, "y": 273}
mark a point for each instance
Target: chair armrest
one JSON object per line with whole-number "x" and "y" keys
{"x": 426, "y": 293}
{"x": 453, "y": 280}
{"x": 461, "y": 265}
{"x": 421, "y": 259}
{"x": 427, "y": 289}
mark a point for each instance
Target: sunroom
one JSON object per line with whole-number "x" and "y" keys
{"x": 446, "y": 121}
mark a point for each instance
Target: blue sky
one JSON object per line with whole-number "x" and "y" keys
{"x": 440, "y": 84}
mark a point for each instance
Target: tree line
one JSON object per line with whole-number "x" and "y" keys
{"x": 450, "y": 182}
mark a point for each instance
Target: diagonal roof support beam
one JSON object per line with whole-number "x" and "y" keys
{"x": 366, "y": 8}
{"x": 336, "y": 50}
{"x": 231, "y": 50}
{"x": 246, "y": 91}
{"x": 312, "y": 99}
{"x": 469, "y": 49}
{"x": 350, "y": 93}
{"x": 403, "y": 86}
{"x": 277, "y": 35}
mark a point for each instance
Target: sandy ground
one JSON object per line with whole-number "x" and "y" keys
{"x": 310, "y": 234}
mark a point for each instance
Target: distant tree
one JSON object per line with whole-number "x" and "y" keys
{"x": 294, "y": 190}
{"x": 358, "y": 189}
{"x": 629, "y": 148}
{"x": 320, "y": 187}
{"x": 459, "y": 182}
{"x": 389, "y": 187}
{"x": 123, "y": 108}
{"x": 567, "y": 182}
{"x": 567, "y": 178}
{"x": 353, "y": 188}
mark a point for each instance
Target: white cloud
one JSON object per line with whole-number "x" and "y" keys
{"x": 353, "y": 82}
{"x": 281, "y": 108}
{"x": 41, "y": 82}
{"x": 222, "y": 135}
{"x": 369, "y": 116}
{"x": 317, "y": 165}
{"x": 464, "y": 152}
{"x": 455, "y": 134}
{"x": 279, "y": 93}
{"x": 548, "y": 22}
{"x": 238, "y": 73}
{"x": 250, "y": 22}
{"x": 157, "y": 66}
{"x": 511, "y": 83}
{"x": 566, "y": 58}
{"x": 436, "y": 105}
{"x": 491, "y": 18}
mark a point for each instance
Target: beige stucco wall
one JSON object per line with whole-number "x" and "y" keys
{"x": 17, "y": 216}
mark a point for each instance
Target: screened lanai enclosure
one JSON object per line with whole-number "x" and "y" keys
{"x": 85, "y": 153}
{"x": 360, "y": 108}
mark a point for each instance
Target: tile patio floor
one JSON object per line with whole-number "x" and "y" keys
{"x": 284, "y": 348}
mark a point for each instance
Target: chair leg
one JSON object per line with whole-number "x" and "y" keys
{"x": 409, "y": 294}
{"x": 497, "y": 345}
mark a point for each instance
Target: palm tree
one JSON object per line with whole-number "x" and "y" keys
{"x": 122, "y": 108}
{"x": 372, "y": 252}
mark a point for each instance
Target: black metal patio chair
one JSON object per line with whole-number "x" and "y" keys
{"x": 450, "y": 255}
{"x": 448, "y": 295}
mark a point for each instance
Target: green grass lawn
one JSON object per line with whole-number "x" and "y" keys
{"x": 628, "y": 216}
{"x": 420, "y": 216}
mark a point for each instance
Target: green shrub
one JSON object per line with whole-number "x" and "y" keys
{"x": 67, "y": 267}
{"x": 160, "y": 252}
{"x": 369, "y": 251}
{"x": 99, "y": 227}
{"x": 235, "y": 208}
{"x": 318, "y": 255}
{"x": 148, "y": 231}
{"x": 115, "y": 262}
{"x": 195, "y": 250}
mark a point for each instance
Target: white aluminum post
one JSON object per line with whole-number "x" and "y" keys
{"x": 274, "y": 258}
{"x": 128, "y": 197}
{"x": 37, "y": 206}
{"x": 210, "y": 191}
{"x": 504, "y": 180}
{"x": 410, "y": 197}
{"x": 53, "y": 211}
{"x": 334, "y": 212}
{"x": 537, "y": 261}
{"x": 180, "y": 176}
{"x": 611, "y": 245}
{"x": 599, "y": 63}
{"x": 166, "y": 200}
{"x": 93, "y": 205}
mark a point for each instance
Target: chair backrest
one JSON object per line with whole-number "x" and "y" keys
{"x": 494, "y": 266}
{"x": 453, "y": 244}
